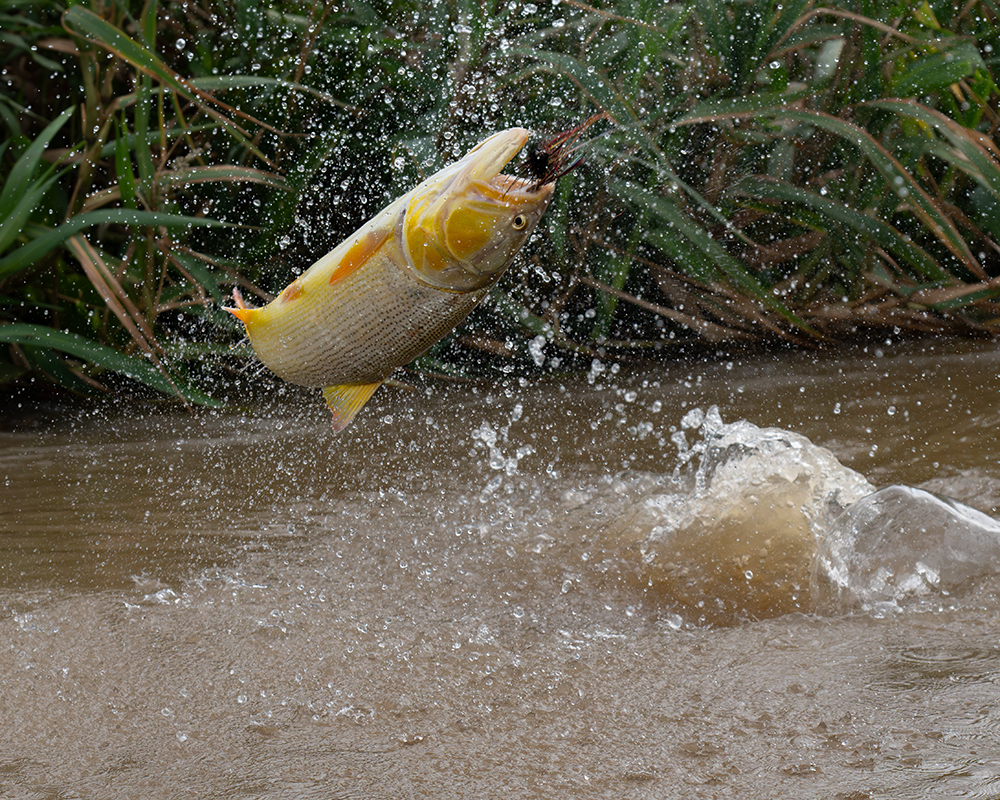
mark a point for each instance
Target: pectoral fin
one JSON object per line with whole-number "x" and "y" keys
{"x": 346, "y": 400}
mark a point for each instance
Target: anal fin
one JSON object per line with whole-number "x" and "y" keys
{"x": 347, "y": 400}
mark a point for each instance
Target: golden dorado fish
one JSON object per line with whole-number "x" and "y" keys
{"x": 403, "y": 281}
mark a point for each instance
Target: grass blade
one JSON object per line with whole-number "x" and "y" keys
{"x": 896, "y": 175}
{"x": 104, "y": 281}
{"x": 975, "y": 154}
{"x": 21, "y": 173}
{"x": 41, "y": 336}
{"x": 47, "y": 362}
{"x": 226, "y": 173}
{"x": 714, "y": 258}
{"x": 937, "y": 71}
{"x": 727, "y": 107}
{"x": 885, "y": 236}
{"x": 600, "y": 91}
{"x": 88, "y": 25}
{"x": 15, "y": 219}
{"x": 30, "y": 253}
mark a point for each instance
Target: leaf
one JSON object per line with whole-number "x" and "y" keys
{"x": 714, "y": 17}
{"x": 896, "y": 175}
{"x": 143, "y": 154}
{"x": 46, "y": 361}
{"x": 30, "y": 253}
{"x": 519, "y": 314}
{"x": 107, "y": 286}
{"x": 219, "y": 174}
{"x": 200, "y": 273}
{"x": 710, "y": 331}
{"x": 123, "y": 166}
{"x": 613, "y": 269}
{"x": 14, "y": 220}
{"x": 100, "y": 355}
{"x": 698, "y": 245}
{"x": 727, "y": 107}
{"x": 223, "y": 82}
{"x": 974, "y": 153}
{"x": 884, "y": 235}
{"x": 900, "y": 181}
{"x": 87, "y": 24}
{"x": 937, "y": 71}
{"x": 601, "y": 92}
{"x": 20, "y": 175}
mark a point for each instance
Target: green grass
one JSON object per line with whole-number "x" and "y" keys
{"x": 765, "y": 171}
{"x": 799, "y": 171}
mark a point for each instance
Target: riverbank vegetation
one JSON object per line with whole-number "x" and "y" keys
{"x": 764, "y": 171}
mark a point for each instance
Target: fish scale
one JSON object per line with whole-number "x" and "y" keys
{"x": 359, "y": 329}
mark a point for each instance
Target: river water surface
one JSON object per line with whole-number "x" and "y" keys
{"x": 602, "y": 586}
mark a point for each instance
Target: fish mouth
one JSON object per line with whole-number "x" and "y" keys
{"x": 506, "y": 185}
{"x": 484, "y": 164}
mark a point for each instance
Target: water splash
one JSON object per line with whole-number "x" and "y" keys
{"x": 734, "y": 532}
{"x": 731, "y": 459}
{"x": 757, "y": 522}
{"x": 900, "y": 543}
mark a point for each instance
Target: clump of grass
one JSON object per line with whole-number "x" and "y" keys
{"x": 99, "y": 248}
{"x": 762, "y": 170}
{"x": 784, "y": 170}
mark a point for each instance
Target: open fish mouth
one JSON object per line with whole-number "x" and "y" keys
{"x": 514, "y": 185}
{"x": 484, "y": 165}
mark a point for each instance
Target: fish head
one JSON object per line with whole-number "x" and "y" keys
{"x": 464, "y": 225}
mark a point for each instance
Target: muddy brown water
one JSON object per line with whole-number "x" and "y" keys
{"x": 505, "y": 592}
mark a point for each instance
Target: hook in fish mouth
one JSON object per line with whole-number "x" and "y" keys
{"x": 484, "y": 165}
{"x": 547, "y": 161}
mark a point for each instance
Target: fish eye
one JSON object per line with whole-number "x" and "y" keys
{"x": 519, "y": 222}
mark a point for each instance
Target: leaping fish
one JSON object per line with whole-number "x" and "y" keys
{"x": 403, "y": 281}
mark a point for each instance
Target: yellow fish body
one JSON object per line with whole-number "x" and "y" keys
{"x": 403, "y": 281}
